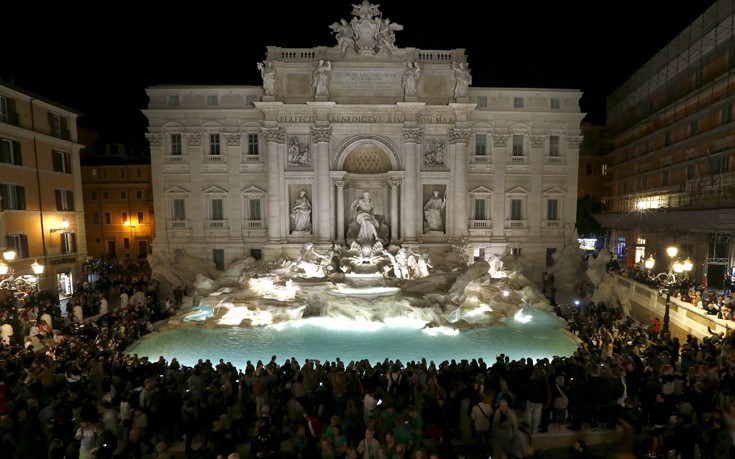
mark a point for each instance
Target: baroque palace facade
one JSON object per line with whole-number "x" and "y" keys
{"x": 330, "y": 123}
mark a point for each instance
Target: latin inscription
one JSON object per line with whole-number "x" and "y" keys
{"x": 366, "y": 82}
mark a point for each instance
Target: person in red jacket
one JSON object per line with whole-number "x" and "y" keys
{"x": 655, "y": 328}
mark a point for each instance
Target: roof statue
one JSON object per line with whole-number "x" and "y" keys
{"x": 367, "y": 33}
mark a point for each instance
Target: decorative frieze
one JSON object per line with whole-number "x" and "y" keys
{"x": 500, "y": 141}
{"x": 537, "y": 141}
{"x": 194, "y": 139}
{"x": 233, "y": 139}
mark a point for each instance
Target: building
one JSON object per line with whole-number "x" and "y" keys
{"x": 118, "y": 202}
{"x": 332, "y": 122}
{"x": 672, "y": 133}
{"x": 41, "y": 209}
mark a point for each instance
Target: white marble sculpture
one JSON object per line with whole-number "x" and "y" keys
{"x": 464, "y": 80}
{"x": 433, "y": 210}
{"x": 320, "y": 78}
{"x": 301, "y": 213}
{"x": 268, "y": 73}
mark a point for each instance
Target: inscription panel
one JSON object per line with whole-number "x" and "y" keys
{"x": 366, "y": 82}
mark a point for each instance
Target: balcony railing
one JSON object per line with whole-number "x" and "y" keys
{"x": 178, "y": 224}
{"x": 215, "y": 159}
{"x": 481, "y": 224}
{"x": 176, "y": 159}
{"x": 250, "y": 159}
{"x": 215, "y": 224}
{"x": 516, "y": 224}
{"x": 253, "y": 224}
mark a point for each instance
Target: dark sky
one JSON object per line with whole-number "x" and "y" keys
{"x": 99, "y": 61}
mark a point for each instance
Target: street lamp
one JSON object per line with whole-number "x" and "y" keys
{"x": 678, "y": 272}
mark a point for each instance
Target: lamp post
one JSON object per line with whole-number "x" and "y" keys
{"x": 11, "y": 285}
{"x": 678, "y": 272}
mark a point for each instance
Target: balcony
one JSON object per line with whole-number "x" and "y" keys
{"x": 253, "y": 224}
{"x": 481, "y": 224}
{"x": 551, "y": 224}
{"x": 215, "y": 224}
{"x": 176, "y": 159}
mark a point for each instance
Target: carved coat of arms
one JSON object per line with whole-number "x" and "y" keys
{"x": 368, "y": 33}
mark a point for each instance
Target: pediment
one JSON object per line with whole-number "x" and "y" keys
{"x": 253, "y": 190}
{"x": 177, "y": 190}
{"x": 480, "y": 190}
{"x": 517, "y": 190}
{"x": 214, "y": 190}
{"x": 555, "y": 190}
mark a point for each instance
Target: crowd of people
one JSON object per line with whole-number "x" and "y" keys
{"x": 76, "y": 392}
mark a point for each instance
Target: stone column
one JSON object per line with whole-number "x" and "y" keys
{"x": 322, "y": 204}
{"x": 273, "y": 138}
{"x": 411, "y": 223}
{"x": 340, "y": 226}
{"x": 459, "y": 138}
{"x": 394, "y": 190}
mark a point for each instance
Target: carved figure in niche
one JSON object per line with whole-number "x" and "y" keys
{"x": 301, "y": 213}
{"x": 433, "y": 210}
{"x": 320, "y": 78}
{"x": 434, "y": 155}
{"x": 411, "y": 78}
{"x": 363, "y": 214}
{"x": 464, "y": 80}
{"x": 298, "y": 154}
{"x": 344, "y": 35}
{"x": 268, "y": 73}
{"x": 387, "y": 35}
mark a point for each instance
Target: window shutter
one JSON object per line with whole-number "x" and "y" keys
{"x": 57, "y": 161}
{"x": 17, "y": 157}
{"x": 5, "y": 147}
{"x": 21, "y": 192}
{"x": 24, "y": 246}
{"x": 59, "y": 202}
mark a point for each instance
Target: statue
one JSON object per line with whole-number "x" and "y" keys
{"x": 464, "y": 80}
{"x": 387, "y": 35}
{"x": 433, "y": 212}
{"x": 434, "y": 155}
{"x": 362, "y": 213}
{"x": 410, "y": 78}
{"x": 311, "y": 263}
{"x": 301, "y": 213}
{"x": 320, "y": 78}
{"x": 344, "y": 35}
{"x": 268, "y": 73}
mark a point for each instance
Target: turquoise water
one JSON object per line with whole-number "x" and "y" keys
{"x": 319, "y": 339}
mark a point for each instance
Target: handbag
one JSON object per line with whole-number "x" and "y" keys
{"x": 561, "y": 402}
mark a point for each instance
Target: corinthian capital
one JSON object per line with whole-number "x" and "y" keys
{"x": 232, "y": 139}
{"x": 321, "y": 134}
{"x": 275, "y": 134}
{"x": 154, "y": 140}
{"x": 574, "y": 141}
{"x": 411, "y": 135}
{"x": 459, "y": 136}
{"x": 194, "y": 139}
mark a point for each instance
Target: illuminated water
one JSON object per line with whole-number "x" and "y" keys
{"x": 321, "y": 339}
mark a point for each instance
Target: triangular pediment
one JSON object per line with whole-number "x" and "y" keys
{"x": 517, "y": 190}
{"x": 480, "y": 190}
{"x": 253, "y": 190}
{"x": 554, "y": 190}
{"x": 177, "y": 190}
{"x": 214, "y": 190}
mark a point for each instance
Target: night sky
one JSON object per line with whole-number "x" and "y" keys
{"x": 99, "y": 61}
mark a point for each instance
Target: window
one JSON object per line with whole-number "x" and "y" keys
{"x": 588, "y": 170}
{"x": 555, "y": 103}
{"x": 173, "y": 100}
{"x": 482, "y": 101}
{"x": 105, "y": 195}
{"x": 140, "y": 218}
{"x": 7, "y": 111}
{"x": 58, "y": 126}
{"x": 94, "y": 195}
{"x": 178, "y": 207}
{"x": 480, "y": 144}
{"x": 124, "y": 218}
{"x": 604, "y": 170}
{"x": 138, "y": 194}
{"x": 126, "y": 243}
{"x": 693, "y": 128}
{"x": 480, "y": 212}
{"x": 108, "y": 218}
{"x": 12, "y": 197}
{"x": 518, "y": 102}
{"x": 253, "y": 144}
{"x": 218, "y": 255}
{"x": 217, "y": 209}
{"x": 517, "y": 145}
{"x": 138, "y": 173}
{"x": 64, "y": 200}
{"x": 665, "y": 177}
{"x": 10, "y": 152}
{"x": 62, "y": 161}
{"x": 176, "y": 144}
{"x": 691, "y": 172}
{"x": 96, "y": 218}
{"x": 516, "y": 209}
{"x": 726, "y": 115}
{"x": 211, "y": 100}
{"x": 254, "y": 209}
{"x": 250, "y": 100}
{"x": 123, "y": 195}
{"x": 552, "y": 209}
{"x": 18, "y": 243}
{"x": 554, "y": 145}
{"x": 214, "y": 144}
{"x": 668, "y": 138}
{"x": 68, "y": 242}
